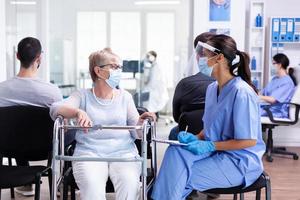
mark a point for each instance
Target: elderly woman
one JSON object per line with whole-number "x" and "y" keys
{"x": 104, "y": 104}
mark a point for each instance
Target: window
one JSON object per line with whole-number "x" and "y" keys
{"x": 91, "y": 36}
{"x": 161, "y": 38}
{"x": 126, "y": 34}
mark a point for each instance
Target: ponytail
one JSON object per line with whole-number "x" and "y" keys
{"x": 291, "y": 73}
{"x": 242, "y": 68}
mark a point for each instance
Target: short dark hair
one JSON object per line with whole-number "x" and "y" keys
{"x": 153, "y": 53}
{"x": 203, "y": 37}
{"x": 28, "y": 49}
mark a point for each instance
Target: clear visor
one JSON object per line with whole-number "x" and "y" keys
{"x": 201, "y": 46}
{"x": 193, "y": 64}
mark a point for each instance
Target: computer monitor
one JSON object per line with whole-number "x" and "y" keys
{"x": 134, "y": 66}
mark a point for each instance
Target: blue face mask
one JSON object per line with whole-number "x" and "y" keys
{"x": 114, "y": 78}
{"x": 203, "y": 67}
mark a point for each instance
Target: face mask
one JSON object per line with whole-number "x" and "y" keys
{"x": 203, "y": 67}
{"x": 114, "y": 78}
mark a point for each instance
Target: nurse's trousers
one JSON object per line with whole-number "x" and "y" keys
{"x": 182, "y": 171}
{"x": 91, "y": 179}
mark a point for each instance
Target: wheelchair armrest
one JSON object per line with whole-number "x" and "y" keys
{"x": 270, "y": 114}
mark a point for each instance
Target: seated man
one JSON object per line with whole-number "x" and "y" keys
{"x": 190, "y": 91}
{"x": 27, "y": 89}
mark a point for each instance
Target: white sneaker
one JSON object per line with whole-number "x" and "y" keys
{"x": 26, "y": 190}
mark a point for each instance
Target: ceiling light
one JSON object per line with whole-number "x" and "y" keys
{"x": 157, "y": 2}
{"x": 23, "y": 2}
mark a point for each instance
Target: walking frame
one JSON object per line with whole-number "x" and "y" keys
{"x": 58, "y": 156}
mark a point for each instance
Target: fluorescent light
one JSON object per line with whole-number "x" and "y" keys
{"x": 171, "y": 2}
{"x": 23, "y": 2}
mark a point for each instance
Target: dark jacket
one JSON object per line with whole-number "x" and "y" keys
{"x": 190, "y": 94}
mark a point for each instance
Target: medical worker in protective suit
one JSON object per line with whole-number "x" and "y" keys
{"x": 228, "y": 151}
{"x": 154, "y": 83}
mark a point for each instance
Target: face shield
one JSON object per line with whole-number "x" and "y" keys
{"x": 198, "y": 60}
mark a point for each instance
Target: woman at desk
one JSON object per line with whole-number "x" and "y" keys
{"x": 281, "y": 88}
{"x": 228, "y": 151}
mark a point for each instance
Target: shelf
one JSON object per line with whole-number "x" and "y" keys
{"x": 258, "y": 28}
{"x": 256, "y": 40}
{"x": 286, "y": 42}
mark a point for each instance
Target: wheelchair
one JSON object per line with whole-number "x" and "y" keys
{"x": 62, "y": 177}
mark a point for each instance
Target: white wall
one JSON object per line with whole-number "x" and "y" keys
{"x": 2, "y": 42}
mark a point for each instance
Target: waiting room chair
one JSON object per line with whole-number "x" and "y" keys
{"x": 25, "y": 133}
{"x": 69, "y": 181}
{"x": 194, "y": 120}
{"x": 262, "y": 182}
{"x": 269, "y": 122}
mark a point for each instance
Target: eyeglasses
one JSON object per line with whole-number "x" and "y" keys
{"x": 274, "y": 63}
{"x": 112, "y": 66}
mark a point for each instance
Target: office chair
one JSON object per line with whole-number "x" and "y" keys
{"x": 69, "y": 181}
{"x": 26, "y": 133}
{"x": 270, "y": 122}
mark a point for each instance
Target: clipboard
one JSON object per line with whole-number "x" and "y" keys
{"x": 171, "y": 142}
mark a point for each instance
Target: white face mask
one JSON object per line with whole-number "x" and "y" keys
{"x": 114, "y": 78}
{"x": 203, "y": 67}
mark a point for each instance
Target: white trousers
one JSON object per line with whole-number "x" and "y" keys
{"x": 91, "y": 179}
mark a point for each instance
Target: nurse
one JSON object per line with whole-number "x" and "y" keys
{"x": 281, "y": 87}
{"x": 228, "y": 151}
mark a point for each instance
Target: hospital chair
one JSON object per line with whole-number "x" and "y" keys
{"x": 195, "y": 125}
{"x": 69, "y": 181}
{"x": 25, "y": 133}
{"x": 269, "y": 123}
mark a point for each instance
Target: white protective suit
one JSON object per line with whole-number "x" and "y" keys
{"x": 155, "y": 84}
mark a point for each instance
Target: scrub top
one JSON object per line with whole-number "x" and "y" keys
{"x": 234, "y": 115}
{"x": 282, "y": 89}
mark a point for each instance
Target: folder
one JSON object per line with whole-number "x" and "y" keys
{"x": 283, "y": 29}
{"x": 275, "y": 29}
{"x": 290, "y": 30}
{"x": 297, "y": 30}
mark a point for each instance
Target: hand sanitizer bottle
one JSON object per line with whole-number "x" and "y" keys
{"x": 255, "y": 82}
{"x": 253, "y": 63}
{"x": 258, "y": 21}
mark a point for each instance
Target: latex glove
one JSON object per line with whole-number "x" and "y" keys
{"x": 200, "y": 147}
{"x": 186, "y": 137}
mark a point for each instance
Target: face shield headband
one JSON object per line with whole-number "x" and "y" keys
{"x": 201, "y": 45}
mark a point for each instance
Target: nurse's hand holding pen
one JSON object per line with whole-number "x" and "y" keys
{"x": 195, "y": 145}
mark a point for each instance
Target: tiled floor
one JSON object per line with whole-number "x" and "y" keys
{"x": 284, "y": 172}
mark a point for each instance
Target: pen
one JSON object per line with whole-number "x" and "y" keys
{"x": 186, "y": 128}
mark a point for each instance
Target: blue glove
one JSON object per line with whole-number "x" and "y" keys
{"x": 186, "y": 137}
{"x": 200, "y": 147}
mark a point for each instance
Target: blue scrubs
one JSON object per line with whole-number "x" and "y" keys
{"x": 233, "y": 114}
{"x": 282, "y": 89}
{"x": 219, "y": 12}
